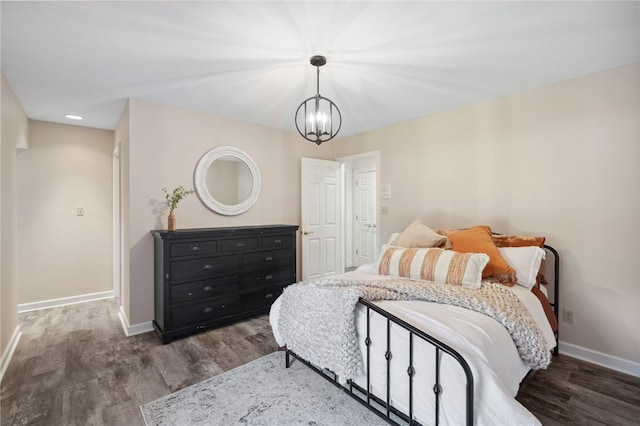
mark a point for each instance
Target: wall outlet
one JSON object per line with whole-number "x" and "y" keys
{"x": 567, "y": 316}
{"x": 79, "y": 211}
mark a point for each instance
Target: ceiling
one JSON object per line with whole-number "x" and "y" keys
{"x": 387, "y": 61}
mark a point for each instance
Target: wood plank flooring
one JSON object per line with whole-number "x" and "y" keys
{"x": 74, "y": 366}
{"x": 574, "y": 392}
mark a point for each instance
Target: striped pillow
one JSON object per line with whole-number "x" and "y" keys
{"x": 433, "y": 264}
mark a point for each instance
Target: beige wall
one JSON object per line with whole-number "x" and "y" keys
{"x": 14, "y": 125}
{"x": 561, "y": 161}
{"x": 61, "y": 254}
{"x": 165, "y": 143}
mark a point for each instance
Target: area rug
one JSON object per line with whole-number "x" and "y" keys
{"x": 262, "y": 392}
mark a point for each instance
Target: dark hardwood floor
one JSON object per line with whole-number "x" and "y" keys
{"x": 574, "y": 392}
{"x": 74, "y": 366}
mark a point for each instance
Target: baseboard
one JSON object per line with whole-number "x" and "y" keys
{"x": 132, "y": 330}
{"x": 605, "y": 360}
{"x": 8, "y": 353}
{"x": 54, "y": 303}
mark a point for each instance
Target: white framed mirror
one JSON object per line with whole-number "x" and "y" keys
{"x": 227, "y": 180}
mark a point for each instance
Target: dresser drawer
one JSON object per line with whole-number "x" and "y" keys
{"x": 204, "y": 289}
{"x": 275, "y": 241}
{"x": 186, "y": 269}
{"x": 205, "y": 311}
{"x": 194, "y": 248}
{"x": 269, "y": 277}
{"x": 266, "y": 260}
{"x": 238, "y": 244}
{"x": 260, "y": 299}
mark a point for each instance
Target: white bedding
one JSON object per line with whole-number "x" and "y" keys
{"x": 482, "y": 341}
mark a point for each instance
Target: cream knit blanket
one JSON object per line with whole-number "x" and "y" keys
{"x": 317, "y": 319}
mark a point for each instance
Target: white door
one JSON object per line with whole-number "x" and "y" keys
{"x": 365, "y": 218}
{"x": 321, "y": 218}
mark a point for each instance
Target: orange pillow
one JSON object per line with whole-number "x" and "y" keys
{"x": 517, "y": 241}
{"x": 478, "y": 240}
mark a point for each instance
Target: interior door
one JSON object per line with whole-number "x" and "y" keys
{"x": 321, "y": 218}
{"x": 365, "y": 218}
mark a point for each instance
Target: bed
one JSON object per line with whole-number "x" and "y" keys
{"x": 419, "y": 360}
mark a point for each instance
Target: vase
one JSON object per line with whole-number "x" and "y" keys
{"x": 171, "y": 223}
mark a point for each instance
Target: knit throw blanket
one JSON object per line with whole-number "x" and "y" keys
{"x": 317, "y": 319}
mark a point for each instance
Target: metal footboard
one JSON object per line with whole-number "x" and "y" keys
{"x": 381, "y": 405}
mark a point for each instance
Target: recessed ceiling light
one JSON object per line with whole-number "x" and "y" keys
{"x": 73, "y": 117}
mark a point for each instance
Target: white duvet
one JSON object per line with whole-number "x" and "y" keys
{"x": 483, "y": 342}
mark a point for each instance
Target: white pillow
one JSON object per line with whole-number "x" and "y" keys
{"x": 392, "y": 237}
{"x": 526, "y": 261}
{"x": 433, "y": 264}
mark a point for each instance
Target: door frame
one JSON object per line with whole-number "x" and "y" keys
{"x": 117, "y": 223}
{"x": 347, "y": 238}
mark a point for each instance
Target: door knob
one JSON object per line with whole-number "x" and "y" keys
{"x": 307, "y": 232}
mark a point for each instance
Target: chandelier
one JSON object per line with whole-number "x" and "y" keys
{"x": 318, "y": 119}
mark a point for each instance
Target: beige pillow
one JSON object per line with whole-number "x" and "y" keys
{"x": 418, "y": 235}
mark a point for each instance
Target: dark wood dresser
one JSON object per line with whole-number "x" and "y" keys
{"x": 208, "y": 277}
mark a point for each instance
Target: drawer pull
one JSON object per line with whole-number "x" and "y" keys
{"x": 208, "y": 310}
{"x": 268, "y": 258}
{"x": 268, "y": 296}
{"x": 195, "y": 248}
{"x": 268, "y": 277}
{"x": 277, "y": 241}
{"x": 189, "y": 294}
{"x": 207, "y": 288}
{"x": 207, "y": 267}
{"x": 240, "y": 245}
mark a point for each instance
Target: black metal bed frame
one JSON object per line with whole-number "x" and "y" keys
{"x": 556, "y": 293}
{"x": 383, "y": 407}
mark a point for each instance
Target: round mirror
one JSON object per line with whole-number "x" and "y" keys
{"x": 227, "y": 180}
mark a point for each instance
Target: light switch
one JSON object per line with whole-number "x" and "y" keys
{"x": 384, "y": 210}
{"x": 79, "y": 211}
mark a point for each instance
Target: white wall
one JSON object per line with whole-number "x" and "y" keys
{"x": 561, "y": 161}
{"x": 165, "y": 143}
{"x": 61, "y": 254}
{"x": 14, "y": 134}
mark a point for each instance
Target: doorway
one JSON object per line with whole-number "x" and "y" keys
{"x": 339, "y": 217}
{"x": 360, "y": 212}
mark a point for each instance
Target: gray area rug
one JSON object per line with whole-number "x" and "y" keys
{"x": 262, "y": 392}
